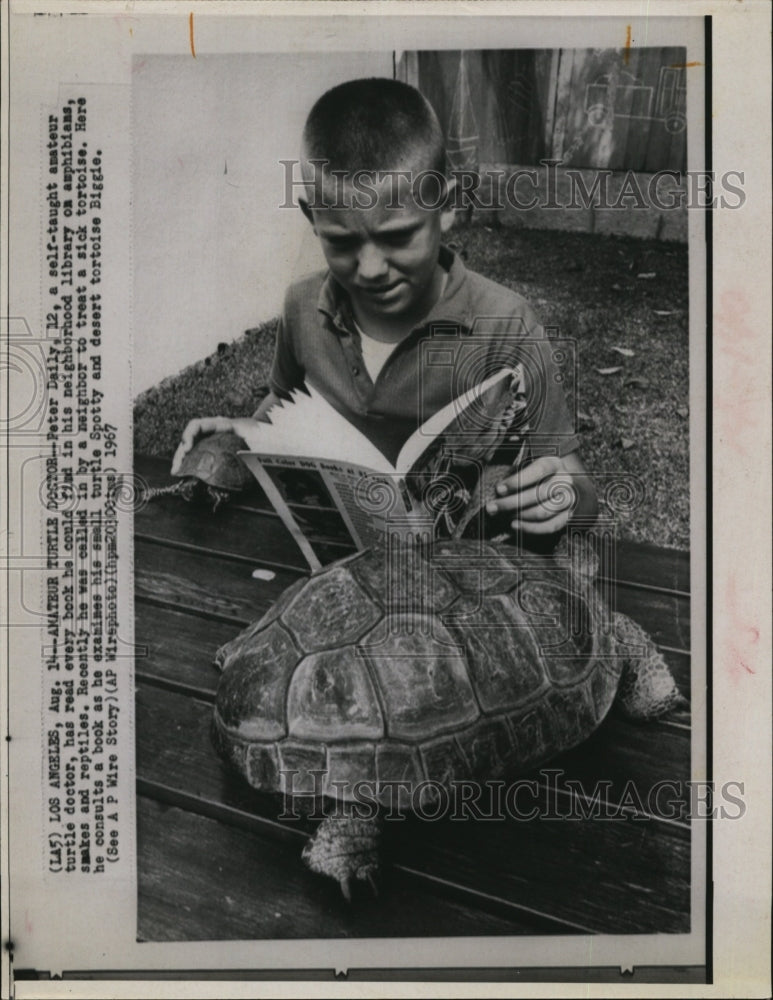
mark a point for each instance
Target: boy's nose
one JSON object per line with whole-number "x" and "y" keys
{"x": 371, "y": 264}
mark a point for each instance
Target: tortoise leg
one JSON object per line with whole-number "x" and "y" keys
{"x": 647, "y": 688}
{"x": 346, "y": 848}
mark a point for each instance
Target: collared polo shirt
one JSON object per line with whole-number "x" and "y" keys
{"x": 476, "y": 328}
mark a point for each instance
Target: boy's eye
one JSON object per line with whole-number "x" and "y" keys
{"x": 396, "y": 239}
{"x": 340, "y": 242}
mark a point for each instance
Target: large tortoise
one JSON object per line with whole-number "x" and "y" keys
{"x": 402, "y": 672}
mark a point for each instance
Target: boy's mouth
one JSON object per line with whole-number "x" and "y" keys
{"x": 380, "y": 291}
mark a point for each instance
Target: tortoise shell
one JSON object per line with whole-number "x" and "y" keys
{"x": 214, "y": 461}
{"x": 452, "y": 661}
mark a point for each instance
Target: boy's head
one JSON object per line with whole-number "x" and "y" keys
{"x": 374, "y": 124}
{"x": 374, "y": 164}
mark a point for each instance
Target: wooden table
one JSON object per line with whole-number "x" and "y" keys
{"x": 214, "y": 862}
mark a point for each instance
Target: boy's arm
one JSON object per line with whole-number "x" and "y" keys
{"x": 544, "y": 496}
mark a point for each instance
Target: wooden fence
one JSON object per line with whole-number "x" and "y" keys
{"x": 622, "y": 109}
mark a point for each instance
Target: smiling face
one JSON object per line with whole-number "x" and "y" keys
{"x": 383, "y": 249}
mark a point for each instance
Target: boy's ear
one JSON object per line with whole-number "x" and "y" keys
{"x": 448, "y": 211}
{"x": 306, "y": 210}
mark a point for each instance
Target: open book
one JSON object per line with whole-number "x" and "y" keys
{"x": 329, "y": 483}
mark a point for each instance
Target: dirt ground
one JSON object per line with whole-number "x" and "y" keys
{"x": 623, "y": 305}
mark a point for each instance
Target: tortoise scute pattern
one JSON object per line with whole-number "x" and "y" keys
{"x": 481, "y": 660}
{"x": 214, "y": 460}
{"x": 330, "y": 611}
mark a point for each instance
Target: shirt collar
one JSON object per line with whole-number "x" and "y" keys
{"x": 452, "y": 307}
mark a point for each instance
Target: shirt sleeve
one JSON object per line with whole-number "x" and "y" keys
{"x": 548, "y": 368}
{"x": 286, "y": 372}
{"x": 553, "y": 431}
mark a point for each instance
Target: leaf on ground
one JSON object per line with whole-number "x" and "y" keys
{"x": 683, "y": 411}
{"x": 663, "y": 312}
{"x": 646, "y": 275}
{"x": 626, "y": 443}
{"x": 609, "y": 371}
{"x": 625, "y": 351}
{"x": 637, "y": 383}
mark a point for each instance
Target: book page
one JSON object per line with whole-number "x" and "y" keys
{"x": 308, "y": 425}
{"x": 470, "y": 423}
{"x": 371, "y": 506}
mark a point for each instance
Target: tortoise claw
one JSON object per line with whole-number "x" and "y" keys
{"x": 346, "y": 883}
{"x": 345, "y": 849}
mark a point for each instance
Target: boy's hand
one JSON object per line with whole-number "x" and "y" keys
{"x": 245, "y": 427}
{"x": 545, "y": 494}
{"x": 194, "y": 429}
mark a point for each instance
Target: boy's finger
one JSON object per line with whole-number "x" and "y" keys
{"x": 540, "y": 512}
{"x": 181, "y": 452}
{"x": 539, "y": 469}
{"x": 552, "y": 495}
{"x": 191, "y": 432}
{"x": 556, "y": 523}
{"x": 514, "y": 501}
{"x": 189, "y": 435}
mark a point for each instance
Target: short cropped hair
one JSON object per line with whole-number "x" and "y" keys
{"x": 374, "y": 124}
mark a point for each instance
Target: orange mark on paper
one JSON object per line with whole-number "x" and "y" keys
{"x": 627, "y": 52}
{"x": 190, "y": 32}
{"x": 686, "y": 65}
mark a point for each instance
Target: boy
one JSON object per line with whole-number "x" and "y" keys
{"x": 377, "y": 197}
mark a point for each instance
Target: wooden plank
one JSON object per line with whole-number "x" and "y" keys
{"x": 214, "y": 587}
{"x": 642, "y": 867}
{"x": 241, "y": 528}
{"x": 627, "y": 67}
{"x": 220, "y": 586}
{"x": 638, "y": 138}
{"x": 179, "y": 650}
{"x": 618, "y": 877}
{"x": 238, "y": 531}
{"x": 659, "y": 144}
{"x": 651, "y": 566}
{"x": 563, "y": 98}
{"x": 203, "y": 880}
{"x": 665, "y": 617}
{"x": 628, "y": 763}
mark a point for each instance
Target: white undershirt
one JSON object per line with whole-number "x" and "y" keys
{"x": 374, "y": 353}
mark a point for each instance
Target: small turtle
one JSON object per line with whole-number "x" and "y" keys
{"x": 213, "y": 467}
{"x": 422, "y": 666}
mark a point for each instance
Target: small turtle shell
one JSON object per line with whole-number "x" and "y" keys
{"x": 214, "y": 461}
